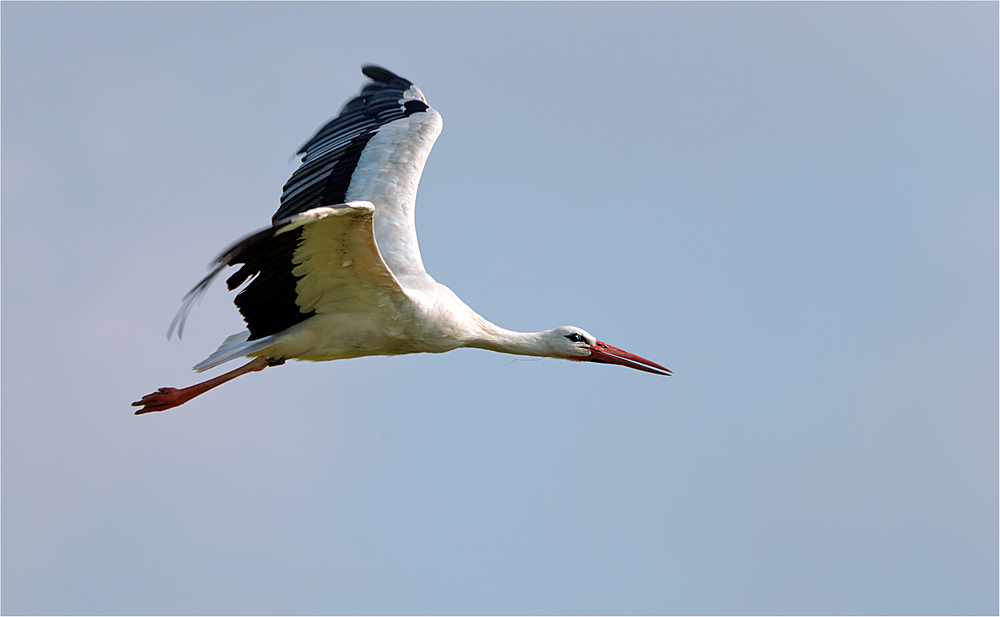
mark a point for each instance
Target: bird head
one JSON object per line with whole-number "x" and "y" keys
{"x": 576, "y": 344}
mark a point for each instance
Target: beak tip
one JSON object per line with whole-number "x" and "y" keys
{"x": 608, "y": 354}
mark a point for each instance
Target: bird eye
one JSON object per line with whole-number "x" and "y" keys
{"x": 576, "y": 337}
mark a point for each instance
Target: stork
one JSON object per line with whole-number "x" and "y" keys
{"x": 338, "y": 274}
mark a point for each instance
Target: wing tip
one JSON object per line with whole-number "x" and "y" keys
{"x": 382, "y": 75}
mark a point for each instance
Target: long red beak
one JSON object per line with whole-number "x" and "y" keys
{"x": 606, "y": 354}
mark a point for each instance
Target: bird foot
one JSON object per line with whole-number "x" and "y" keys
{"x": 165, "y": 398}
{"x": 161, "y": 400}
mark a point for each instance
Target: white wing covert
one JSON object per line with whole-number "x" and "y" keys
{"x": 337, "y": 263}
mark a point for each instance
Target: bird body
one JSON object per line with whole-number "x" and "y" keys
{"x": 339, "y": 273}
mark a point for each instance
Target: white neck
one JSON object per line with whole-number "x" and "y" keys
{"x": 494, "y": 338}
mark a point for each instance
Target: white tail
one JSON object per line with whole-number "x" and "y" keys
{"x": 233, "y": 347}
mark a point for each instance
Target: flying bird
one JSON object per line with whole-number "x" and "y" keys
{"x": 338, "y": 274}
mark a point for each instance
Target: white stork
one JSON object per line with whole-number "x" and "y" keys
{"x": 339, "y": 274}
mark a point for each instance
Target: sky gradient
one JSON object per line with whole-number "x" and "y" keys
{"x": 792, "y": 206}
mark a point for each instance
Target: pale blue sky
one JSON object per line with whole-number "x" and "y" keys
{"x": 793, "y": 206}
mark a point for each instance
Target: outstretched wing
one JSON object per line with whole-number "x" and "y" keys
{"x": 374, "y": 151}
{"x": 323, "y": 260}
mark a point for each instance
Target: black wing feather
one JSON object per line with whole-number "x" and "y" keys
{"x": 330, "y": 156}
{"x": 268, "y": 302}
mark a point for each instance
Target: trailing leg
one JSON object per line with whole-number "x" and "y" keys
{"x": 165, "y": 398}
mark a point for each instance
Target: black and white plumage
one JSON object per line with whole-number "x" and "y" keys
{"x": 339, "y": 273}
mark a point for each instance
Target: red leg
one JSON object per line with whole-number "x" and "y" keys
{"x": 165, "y": 398}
